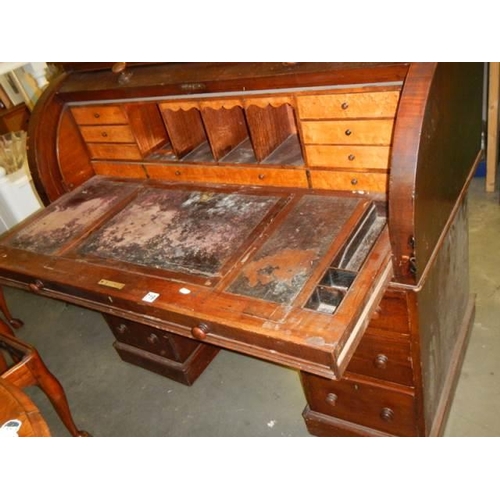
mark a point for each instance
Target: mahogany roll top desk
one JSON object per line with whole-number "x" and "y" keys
{"x": 309, "y": 214}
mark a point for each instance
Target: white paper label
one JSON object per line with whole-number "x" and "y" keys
{"x": 150, "y": 297}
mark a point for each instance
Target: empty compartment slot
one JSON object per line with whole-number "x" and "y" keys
{"x": 338, "y": 278}
{"x": 355, "y": 251}
{"x": 163, "y": 154}
{"x": 242, "y": 154}
{"x": 226, "y": 130}
{"x": 288, "y": 153}
{"x": 187, "y": 134}
{"x": 325, "y": 300}
{"x": 269, "y": 128}
{"x": 147, "y": 126}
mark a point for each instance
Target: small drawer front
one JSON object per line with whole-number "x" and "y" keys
{"x": 352, "y": 105}
{"x": 353, "y": 157}
{"x": 228, "y": 175}
{"x": 369, "y": 132}
{"x": 114, "y": 151}
{"x": 107, "y": 133}
{"x": 392, "y": 313}
{"x": 130, "y": 170}
{"x": 349, "y": 181}
{"x": 361, "y": 403}
{"x": 384, "y": 356}
{"x": 96, "y": 115}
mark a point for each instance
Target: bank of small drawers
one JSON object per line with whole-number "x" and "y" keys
{"x": 107, "y": 133}
{"x": 347, "y": 138}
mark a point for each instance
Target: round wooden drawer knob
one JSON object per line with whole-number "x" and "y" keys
{"x": 119, "y": 67}
{"x": 381, "y": 361}
{"x": 331, "y": 399}
{"x": 37, "y": 286}
{"x": 387, "y": 414}
{"x": 200, "y": 332}
{"x": 153, "y": 339}
{"x": 104, "y": 134}
{"x": 122, "y": 328}
{"x": 351, "y": 157}
{"x": 97, "y": 115}
{"x": 344, "y": 105}
{"x": 348, "y": 131}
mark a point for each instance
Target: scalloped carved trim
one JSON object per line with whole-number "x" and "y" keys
{"x": 261, "y": 102}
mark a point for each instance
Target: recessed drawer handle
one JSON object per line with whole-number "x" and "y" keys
{"x": 37, "y": 286}
{"x": 200, "y": 331}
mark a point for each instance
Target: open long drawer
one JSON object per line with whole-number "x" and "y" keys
{"x": 287, "y": 276}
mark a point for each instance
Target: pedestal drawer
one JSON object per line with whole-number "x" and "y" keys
{"x": 384, "y": 356}
{"x": 371, "y": 405}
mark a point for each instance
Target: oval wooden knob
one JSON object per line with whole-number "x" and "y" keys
{"x": 200, "y": 332}
{"x": 387, "y": 414}
{"x": 37, "y": 286}
{"x": 119, "y": 67}
{"x": 381, "y": 361}
{"x": 344, "y": 105}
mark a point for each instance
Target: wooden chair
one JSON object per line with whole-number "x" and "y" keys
{"x": 29, "y": 369}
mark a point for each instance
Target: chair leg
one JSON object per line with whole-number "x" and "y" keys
{"x": 54, "y": 391}
{"x": 31, "y": 370}
{"x": 16, "y": 323}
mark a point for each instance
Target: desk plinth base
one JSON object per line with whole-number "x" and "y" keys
{"x": 184, "y": 372}
{"x": 170, "y": 355}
